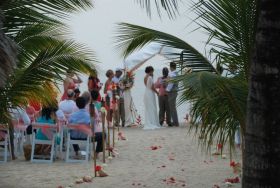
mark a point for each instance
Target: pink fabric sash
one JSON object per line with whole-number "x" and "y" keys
{"x": 86, "y": 129}
{"x": 19, "y": 125}
{"x": 45, "y": 128}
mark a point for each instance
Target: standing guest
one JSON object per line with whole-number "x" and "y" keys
{"x": 94, "y": 84}
{"x": 94, "y": 97}
{"x": 79, "y": 117}
{"x": 68, "y": 106}
{"x": 70, "y": 83}
{"x": 109, "y": 94}
{"x": 120, "y": 112}
{"x": 172, "y": 90}
{"x": 97, "y": 125}
{"x": 77, "y": 93}
{"x": 164, "y": 111}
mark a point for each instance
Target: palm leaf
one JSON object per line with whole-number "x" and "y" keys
{"x": 132, "y": 37}
{"x": 231, "y": 26}
{"x": 218, "y": 106}
{"x": 169, "y": 6}
{"x": 49, "y": 65}
{"x": 22, "y": 13}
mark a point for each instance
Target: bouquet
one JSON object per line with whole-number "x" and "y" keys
{"x": 128, "y": 80}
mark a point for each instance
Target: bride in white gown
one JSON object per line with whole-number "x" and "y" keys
{"x": 151, "y": 115}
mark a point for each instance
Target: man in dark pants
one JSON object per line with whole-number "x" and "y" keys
{"x": 161, "y": 84}
{"x": 172, "y": 90}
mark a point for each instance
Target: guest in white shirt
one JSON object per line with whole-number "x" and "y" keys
{"x": 20, "y": 114}
{"x": 120, "y": 114}
{"x": 68, "y": 106}
{"x": 172, "y": 91}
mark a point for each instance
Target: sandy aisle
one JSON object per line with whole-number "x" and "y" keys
{"x": 136, "y": 166}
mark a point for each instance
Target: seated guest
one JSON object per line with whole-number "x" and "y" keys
{"x": 20, "y": 114}
{"x": 79, "y": 117}
{"x": 47, "y": 116}
{"x": 86, "y": 96}
{"x": 68, "y": 106}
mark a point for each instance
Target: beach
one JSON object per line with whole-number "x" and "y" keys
{"x": 166, "y": 157}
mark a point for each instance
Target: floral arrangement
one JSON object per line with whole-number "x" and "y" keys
{"x": 128, "y": 79}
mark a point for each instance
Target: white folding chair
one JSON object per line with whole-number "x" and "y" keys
{"x": 19, "y": 136}
{"x": 80, "y": 128}
{"x": 48, "y": 130}
{"x": 5, "y": 142}
{"x": 61, "y": 124}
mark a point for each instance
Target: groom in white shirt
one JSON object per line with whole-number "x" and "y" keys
{"x": 172, "y": 90}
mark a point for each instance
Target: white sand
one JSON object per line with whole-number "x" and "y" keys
{"x": 136, "y": 166}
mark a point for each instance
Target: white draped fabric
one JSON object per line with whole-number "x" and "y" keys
{"x": 129, "y": 120}
{"x": 140, "y": 57}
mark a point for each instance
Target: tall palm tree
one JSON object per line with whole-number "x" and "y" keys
{"x": 44, "y": 53}
{"x": 262, "y": 143}
{"x": 7, "y": 54}
{"x": 217, "y": 88}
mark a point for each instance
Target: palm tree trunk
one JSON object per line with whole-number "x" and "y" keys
{"x": 7, "y": 54}
{"x": 262, "y": 138}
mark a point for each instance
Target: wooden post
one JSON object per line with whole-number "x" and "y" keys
{"x": 92, "y": 113}
{"x": 103, "y": 135}
{"x": 114, "y": 128}
{"x": 108, "y": 138}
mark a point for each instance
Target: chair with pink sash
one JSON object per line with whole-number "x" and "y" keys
{"x": 5, "y": 142}
{"x": 61, "y": 124}
{"x": 19, "y": 135}
{"x": 49, "y": 130}
{"x": 83, "y": 128}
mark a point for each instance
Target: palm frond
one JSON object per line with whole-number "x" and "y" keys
{"x": 47, "y": 65}
{"x": 169, "y": 6}
{"x": 22, "y": 13}
{"x": 218, "y": 106}
{"x": 132, "y": 37}
{"x": 231, "y": 26}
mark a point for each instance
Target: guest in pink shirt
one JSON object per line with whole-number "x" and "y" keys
{"x": 161, "y": 85}
{"x": 97, "y": 124}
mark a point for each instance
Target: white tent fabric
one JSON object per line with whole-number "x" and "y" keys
{"x": 138, "y": 58}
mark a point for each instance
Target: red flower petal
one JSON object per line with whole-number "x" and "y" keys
{"x": 98, "y": 168}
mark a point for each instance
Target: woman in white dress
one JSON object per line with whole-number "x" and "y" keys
{"x": 151, "y": 115}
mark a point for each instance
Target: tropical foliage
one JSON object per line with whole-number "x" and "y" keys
{"x": 44, "y": 53}
{"x": 217, "y": 87}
